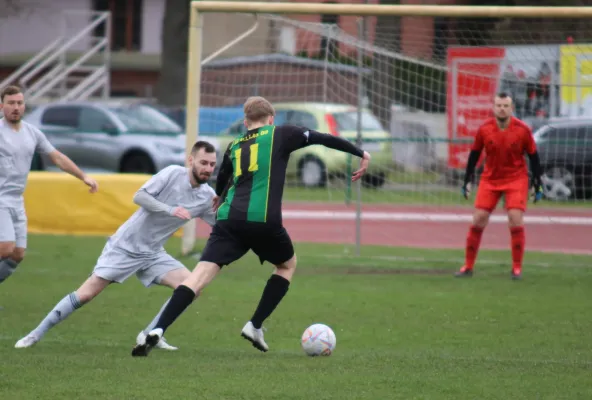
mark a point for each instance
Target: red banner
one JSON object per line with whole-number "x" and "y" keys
{"x": 473, "y": 77}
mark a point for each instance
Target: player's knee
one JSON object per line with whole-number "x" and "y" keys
{"x": 290, "y": 264}
{"x": 515, "y": 218}
{"x": 6, "y": 249}
{"x": 481, "y": 218}
{"x": 91, "y": 288}
{"x": 286, "y": 269}
{"x": 18, "y": 254}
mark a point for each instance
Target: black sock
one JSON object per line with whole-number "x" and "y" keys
{"x": 274, "y": 292}
{"x": 181, "y": 299}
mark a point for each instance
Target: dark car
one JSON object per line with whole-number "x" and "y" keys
{"x": 565, "y": 149}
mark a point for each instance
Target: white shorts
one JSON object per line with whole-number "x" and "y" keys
{"x": 116, "y": 266}
{"x": 13, "y": 226}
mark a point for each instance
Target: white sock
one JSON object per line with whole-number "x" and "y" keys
{"x": 60, "y": 312}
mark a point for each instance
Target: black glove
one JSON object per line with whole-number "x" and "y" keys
{"x": 537, "y": 184}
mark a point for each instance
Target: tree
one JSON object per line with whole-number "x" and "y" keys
{"x": 171, "y": 87}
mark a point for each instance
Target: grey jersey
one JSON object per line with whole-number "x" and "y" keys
{"x": 16, "y": 153}
{"x": 146, "y": 232}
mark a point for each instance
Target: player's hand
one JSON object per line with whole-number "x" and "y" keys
{"x": 466, "y": 190}
{"x": 182, "y": 213}
{"x": 538, "y": 190}
{"x": 91, "y": 183}
{"x": 363, "y": 167}
{"x": 215, "y": 203}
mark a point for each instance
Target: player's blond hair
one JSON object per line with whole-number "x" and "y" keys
{"x": 257, "y": 109}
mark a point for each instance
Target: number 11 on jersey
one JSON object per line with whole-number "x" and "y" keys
{"x": 253, "y": 154}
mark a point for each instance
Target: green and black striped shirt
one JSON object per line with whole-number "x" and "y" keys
{"x": 253, "y": 172}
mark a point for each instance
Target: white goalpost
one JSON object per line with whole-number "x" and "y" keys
{"x": 409, "y": 83}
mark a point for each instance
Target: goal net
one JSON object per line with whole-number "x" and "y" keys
{"x": 416, "y": 89}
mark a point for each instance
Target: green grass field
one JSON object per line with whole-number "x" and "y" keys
{"x": 406, "y": 329}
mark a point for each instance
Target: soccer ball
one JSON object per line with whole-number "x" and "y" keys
{"x": 318, "y": 340}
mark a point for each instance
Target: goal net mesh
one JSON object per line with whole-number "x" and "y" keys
{"x": 426, "y": 85}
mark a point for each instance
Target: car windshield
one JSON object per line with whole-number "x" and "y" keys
{"x": 347, "y": 121}
{"x": 140, "y": 118}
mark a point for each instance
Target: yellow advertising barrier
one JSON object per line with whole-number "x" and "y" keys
{"x": 57, "y": 203}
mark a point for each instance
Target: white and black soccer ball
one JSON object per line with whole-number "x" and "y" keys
{"x": 318, "y": 340}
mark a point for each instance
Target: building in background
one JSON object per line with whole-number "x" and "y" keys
{"x": 137, "y": 29}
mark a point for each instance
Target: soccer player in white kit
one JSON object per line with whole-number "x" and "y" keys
{"x": 19, "y": 141}
{"x": 167, "y": 201}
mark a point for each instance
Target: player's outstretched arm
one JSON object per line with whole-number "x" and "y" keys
{"x": 337, "y": 143}
{"x": 334, "y": 142}
{"x": 470, "y": 171}
{"x": 64, "y": 163}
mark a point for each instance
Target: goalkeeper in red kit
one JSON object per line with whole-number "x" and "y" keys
{"x": 504, "y": 139}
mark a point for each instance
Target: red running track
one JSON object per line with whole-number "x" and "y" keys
{"x": 550, "y": 237}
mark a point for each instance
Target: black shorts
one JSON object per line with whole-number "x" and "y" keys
{"x": 230, "y": 240}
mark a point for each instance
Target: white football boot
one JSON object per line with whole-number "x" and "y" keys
{"x": 254, "y": 336}
{"x": 27, "y": 341}
{"x": 162, "y": 343}
{"x": 151, "y": 340}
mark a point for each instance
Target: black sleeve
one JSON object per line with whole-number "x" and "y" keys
{"x": 334, "y": 142}
{"x": 535, "y": 166}
{"x": 471, "y": 164}
{"x": 225, "y": 173}
{"x": 296, "y": 137}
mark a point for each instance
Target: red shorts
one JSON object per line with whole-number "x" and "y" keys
{"x": 515, "y": 195}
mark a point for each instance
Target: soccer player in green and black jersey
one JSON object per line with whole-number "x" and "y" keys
{"x": 250, "y": 185}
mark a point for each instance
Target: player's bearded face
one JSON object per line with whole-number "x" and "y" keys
{"x": 13, "y": 107}
{"x": 203, "y": 166}
{"x": 200, "y": 175}
{"x": 502, "y": 109}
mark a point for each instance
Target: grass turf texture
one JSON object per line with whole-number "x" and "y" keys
{"x": 406, "y": 329}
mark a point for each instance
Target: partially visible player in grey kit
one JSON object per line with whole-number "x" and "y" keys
{"x": 19, "y": 141}
{"x": 167, "y": 201}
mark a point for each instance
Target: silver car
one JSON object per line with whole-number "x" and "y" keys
{"x": 113, "y": 137}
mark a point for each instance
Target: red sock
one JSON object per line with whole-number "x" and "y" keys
{"x": 518, "y": 239}
{"x": 472, "y": 247}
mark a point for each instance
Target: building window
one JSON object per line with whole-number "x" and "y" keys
{"x": 126, "y": 23}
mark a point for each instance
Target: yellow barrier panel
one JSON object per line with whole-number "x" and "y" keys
{"x": 57, "y": 203}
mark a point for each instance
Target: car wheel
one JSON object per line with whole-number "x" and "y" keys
{"x": 312, "y": 172}
{"x": 137, "y": 163}
{"x": 559, "y": 183}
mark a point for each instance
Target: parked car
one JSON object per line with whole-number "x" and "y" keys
{"x": 565, "y": 149}
{"x": 211, "y": 119}
{"x": 311, "y": 165}
{"x": 117, "y": 137}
